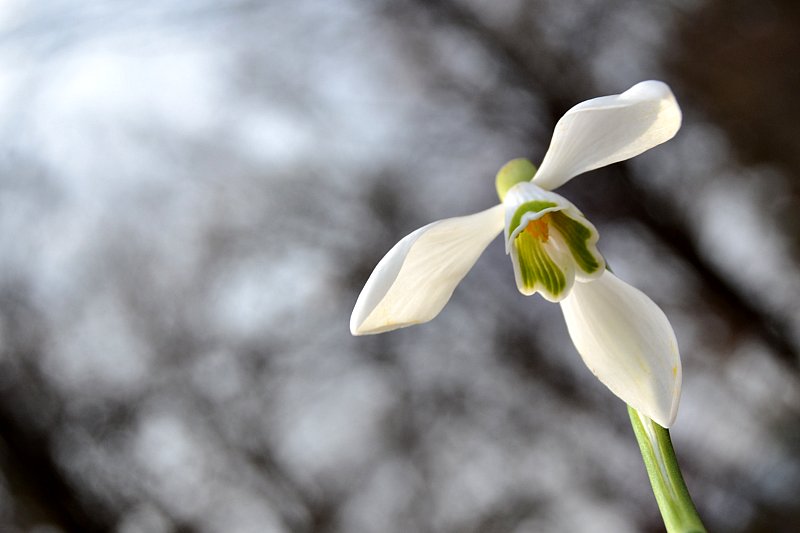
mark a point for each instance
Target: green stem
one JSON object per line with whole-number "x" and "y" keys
{"x": 674, "y": 502}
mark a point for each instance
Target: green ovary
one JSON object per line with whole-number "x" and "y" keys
{"x": 515, "y": 171}
{"x": 536, "y": 268}
{"x": 576, "y": 236}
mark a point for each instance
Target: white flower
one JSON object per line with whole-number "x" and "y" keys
{"x": 622, "y": 336}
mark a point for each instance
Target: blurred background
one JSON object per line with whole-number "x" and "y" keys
{"x": 192, "y": 194}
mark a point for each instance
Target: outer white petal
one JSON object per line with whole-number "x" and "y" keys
{"x": 414, "y": 281}
{"x": 627, "y": 342}
{"x": 608, "y": 129}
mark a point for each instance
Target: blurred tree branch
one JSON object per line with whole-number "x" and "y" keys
{"x": 42, "y": 493}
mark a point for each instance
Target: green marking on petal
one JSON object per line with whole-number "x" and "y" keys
{"x": 513, "y": 172}
{"x": 576, "y": 236}
{"x": 537, "y": 270}
{"x": 533, "y": 205}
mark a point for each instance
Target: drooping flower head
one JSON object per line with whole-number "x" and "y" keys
{"x": 622, "y": 336}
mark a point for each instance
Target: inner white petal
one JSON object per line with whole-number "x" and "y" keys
{"x": 521, "y": 194}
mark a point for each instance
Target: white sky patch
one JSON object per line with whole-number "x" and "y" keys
{"x": 11, "y": 81}
{"x": 673, "y": 167}
{"x": 356, "y": 116}
{"x": 99, "y": 352}
{"x": 273, "y": 135}
{"x": 11, "y": 12}
{"x": 329, "y": 418}
{"x": 169, "y": 452}
{"x": 176, "y": 87}
{"x": 103, "y": 114}
{"x": 742, "y": 242}
{"x": 238, "y": 510}
{"x": 259, "y": 293}
{"x": 186, "y": 466}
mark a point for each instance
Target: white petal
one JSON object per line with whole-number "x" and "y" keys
{"x": 552, "y": 276}
{"x": 414, "y": 281}
{"x": 608, "y": 129}
{"x": 627, "y": 342}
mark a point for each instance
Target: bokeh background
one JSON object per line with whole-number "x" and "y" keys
{"x": 192, "y": 193}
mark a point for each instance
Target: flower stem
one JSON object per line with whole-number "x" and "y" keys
{"x": 674, "y": 502}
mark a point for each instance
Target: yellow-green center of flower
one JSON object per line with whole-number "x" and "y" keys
{"x": 539, "y": 228}
{"x": 552, "y": 248}
{"x": 537, "y": 269}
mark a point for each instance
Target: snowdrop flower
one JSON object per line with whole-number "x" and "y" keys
{"x": 622, "y": 336}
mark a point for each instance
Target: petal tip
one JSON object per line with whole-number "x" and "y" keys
{"x": 415, "y": 279}
{"x": 653, "y": 88}
{"x": 355, "y": 327}
{"x": 663, "y": 417}
{"x": 628, "y": 343}
{"x": 609, "y": 129}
